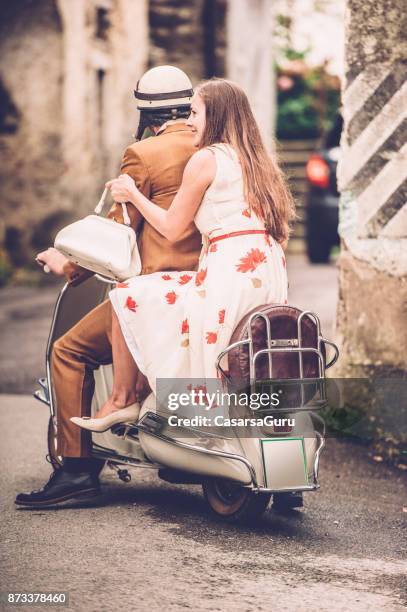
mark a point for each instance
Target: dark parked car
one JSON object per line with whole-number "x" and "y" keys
{"x": 323, "y": 197}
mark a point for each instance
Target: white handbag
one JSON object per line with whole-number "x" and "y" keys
{"x": 101, "y": 245}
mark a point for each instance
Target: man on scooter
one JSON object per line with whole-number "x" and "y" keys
{"x": 156, "y": 164}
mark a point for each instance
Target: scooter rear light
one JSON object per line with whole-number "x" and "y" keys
{"x": 318, "y": 171}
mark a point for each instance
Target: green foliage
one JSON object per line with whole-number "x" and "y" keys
{"x": 293, "y": 54}
{"x": 308, "y": 100}
{"x": 308, "y": 97}
{"x": 296, "y": 118}
{"x": 354, "y": 425}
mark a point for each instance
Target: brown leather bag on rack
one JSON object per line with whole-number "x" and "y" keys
{"x": 285, "y": 365}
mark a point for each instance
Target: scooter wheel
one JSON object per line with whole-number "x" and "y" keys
{"x": 234, "y": 503}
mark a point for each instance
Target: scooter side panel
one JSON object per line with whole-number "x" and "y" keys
{"x": 196, "y": 462}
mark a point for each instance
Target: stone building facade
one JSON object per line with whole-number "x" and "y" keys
{"x": 67, "y": 71}
{"x": 189, "y": 34}
{"x": 231, "y": 38}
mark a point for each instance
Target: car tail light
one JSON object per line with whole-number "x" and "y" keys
{"x": 318, "y": 171}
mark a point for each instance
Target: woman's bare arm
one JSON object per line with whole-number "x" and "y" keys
{"x": 198, "y": 175}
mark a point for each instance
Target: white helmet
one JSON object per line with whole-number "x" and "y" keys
{"x": 163, "y": 87}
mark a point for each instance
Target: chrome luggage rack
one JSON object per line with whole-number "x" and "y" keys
{"x": 289, "y": 345}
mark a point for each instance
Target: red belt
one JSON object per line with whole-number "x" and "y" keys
{"x": 232, "y": 234}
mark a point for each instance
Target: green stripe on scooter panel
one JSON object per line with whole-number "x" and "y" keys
{"x": 284, "y": 463}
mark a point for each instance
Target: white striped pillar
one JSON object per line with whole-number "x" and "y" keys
{"x": 374, "y": 153}
{"x": 372, "y": 179}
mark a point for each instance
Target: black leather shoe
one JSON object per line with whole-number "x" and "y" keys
{"x": 287, "y": 501}
{"x": 61, "y": 487}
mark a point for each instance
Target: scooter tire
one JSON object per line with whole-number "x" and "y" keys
{"x": 52, "y": 457}
{"x": 234, "y": 503}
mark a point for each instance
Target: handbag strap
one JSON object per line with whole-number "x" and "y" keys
{"x": 101, "y": 203}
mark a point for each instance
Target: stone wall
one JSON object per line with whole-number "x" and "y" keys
{"x": 218, "y": 38}
{"x": 31, "y": 160}
{"x": 67, "y": 73}
{"x": 190, "y": 35}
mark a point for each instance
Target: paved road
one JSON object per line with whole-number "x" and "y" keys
{"x": 150, "y": 546}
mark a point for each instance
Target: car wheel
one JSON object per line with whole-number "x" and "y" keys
{"x": 320, "y": 238}
{"x": 319, "y": 250}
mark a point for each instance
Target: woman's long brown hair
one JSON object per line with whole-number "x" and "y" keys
{"x": 229, "y": 119}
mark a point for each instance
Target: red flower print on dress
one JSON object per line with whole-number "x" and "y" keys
{"x": 131, "y": 304}
{"x": 197, "y": 389}
{"x": 122, "y": 285}
{"x": 166, "y": 277}
{"x": 249, "y": 262}
{"x": 184, "y": 327}
{"x": 171, "y": 297}
{"x": 247, "y": 213}
{"x": 200, "y": 393}
{"x": 200, "y": 277}
{"x": 213, "y": 248}
{"x": 222, "y": 316}
{"x": 211, "y": 337}
{"x": 184, "y": 279}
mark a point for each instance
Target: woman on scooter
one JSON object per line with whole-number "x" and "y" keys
{"x": 172, "y": 325}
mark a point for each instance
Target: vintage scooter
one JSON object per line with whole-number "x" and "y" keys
{"x": 239, "y": 469}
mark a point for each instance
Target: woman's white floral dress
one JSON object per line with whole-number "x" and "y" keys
{"x": 176, "y": 323}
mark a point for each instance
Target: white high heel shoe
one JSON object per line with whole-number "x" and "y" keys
{"x": 124, "y": 415}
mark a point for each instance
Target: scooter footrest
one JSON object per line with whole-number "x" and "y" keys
{"x": 40, "y": 395}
